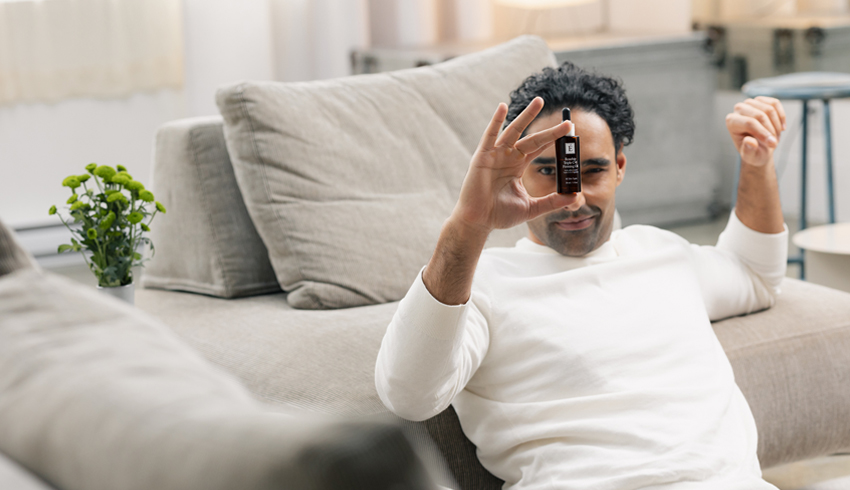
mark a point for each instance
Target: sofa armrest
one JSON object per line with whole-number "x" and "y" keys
{"x": 792, "y": 362}
{"x": 206, "y": 243}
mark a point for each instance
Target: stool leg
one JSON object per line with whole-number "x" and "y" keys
{"x": 737, "y": 178}
{"x": 827, "y": 128}
{"x": 803, "y": 175}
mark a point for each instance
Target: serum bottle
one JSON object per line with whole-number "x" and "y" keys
{"x": 568, "y": 157}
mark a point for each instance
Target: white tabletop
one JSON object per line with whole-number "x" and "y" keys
{"x": 830, "y": 239}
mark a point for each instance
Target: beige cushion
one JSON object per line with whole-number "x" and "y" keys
{"x": 96, "y": 395}
{"x": 348, "y": 181}
{"x": 206, "y": 242}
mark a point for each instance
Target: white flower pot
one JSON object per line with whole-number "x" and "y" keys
{"x": 124, "y": 293}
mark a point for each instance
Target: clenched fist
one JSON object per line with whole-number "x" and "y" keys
{"x": 755, "y": 126}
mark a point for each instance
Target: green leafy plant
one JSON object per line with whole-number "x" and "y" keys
{"x": 111, "y": 214}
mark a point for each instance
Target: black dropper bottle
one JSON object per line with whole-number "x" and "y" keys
{"x": 568, "y": 155}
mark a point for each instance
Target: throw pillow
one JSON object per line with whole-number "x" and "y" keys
{"x": 348, "y": 181}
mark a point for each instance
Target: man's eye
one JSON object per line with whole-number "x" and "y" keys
{"x": 594, "y": 170}
{"x": 547, "y": 170}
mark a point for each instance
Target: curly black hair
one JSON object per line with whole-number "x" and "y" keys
{"x": 576, "y": 88}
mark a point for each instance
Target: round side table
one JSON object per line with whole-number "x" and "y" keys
{"x": 827, "y": 252}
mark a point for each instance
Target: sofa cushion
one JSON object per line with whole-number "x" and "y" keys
{"x": 206, "y": 243}
{"x": 348, "y": 181}
{"x": 96, "y": 395}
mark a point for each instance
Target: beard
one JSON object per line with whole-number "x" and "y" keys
{"x": 572, "y": 243}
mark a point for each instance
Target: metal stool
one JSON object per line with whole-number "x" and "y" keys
{"x": 804, "y": 87}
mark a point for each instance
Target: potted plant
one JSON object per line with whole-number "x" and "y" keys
{"x": 111, "y": 211}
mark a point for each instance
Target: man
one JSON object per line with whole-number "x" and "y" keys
{"x": 584, "y": 358}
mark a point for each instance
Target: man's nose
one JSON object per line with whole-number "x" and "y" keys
{"x": 577, "y": 204}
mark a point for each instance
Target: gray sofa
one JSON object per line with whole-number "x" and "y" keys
{"x": 260, "y": 201}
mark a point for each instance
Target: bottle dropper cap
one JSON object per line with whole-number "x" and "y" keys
{"x": 565, "y": 115}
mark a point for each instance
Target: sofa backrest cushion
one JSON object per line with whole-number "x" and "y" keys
{"x": 348, "y": 181}
{"x": 96, "y": 395}
{"x": 206, "y": 243}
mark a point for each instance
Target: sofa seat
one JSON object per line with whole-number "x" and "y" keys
{"x": 792, "y": 361}
{"x": 317, "y": 360}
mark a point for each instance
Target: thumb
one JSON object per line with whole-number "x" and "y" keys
{"x": 749, "y": 147}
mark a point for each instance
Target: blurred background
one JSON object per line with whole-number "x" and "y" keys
{"x": 90, "y": 81}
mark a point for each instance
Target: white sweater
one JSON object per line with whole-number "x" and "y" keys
{"x": 600, "y": 372}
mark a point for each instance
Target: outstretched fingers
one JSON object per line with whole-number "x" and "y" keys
{"x": 531, "y": 156}
{"x": 491, "y": 134}
{"x": 540, "y": 140}
{"x": 514, "y": 130}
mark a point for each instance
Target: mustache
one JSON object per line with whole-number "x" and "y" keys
{"x": 582, "y": 212}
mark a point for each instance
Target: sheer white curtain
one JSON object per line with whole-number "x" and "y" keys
{"x": 55, "y": 49}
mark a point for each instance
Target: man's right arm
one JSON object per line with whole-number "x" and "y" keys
{"x": 438, "y": 338}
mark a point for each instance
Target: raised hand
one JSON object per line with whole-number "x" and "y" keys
{"x": 492, "y": 195}
{"x": 755, "y": 127}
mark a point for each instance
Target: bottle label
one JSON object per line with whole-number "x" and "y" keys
{"x": 568, "y": 163}
{"x": 571, "y": 168}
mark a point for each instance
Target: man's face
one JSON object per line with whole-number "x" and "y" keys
{"x": 582, "y": 227}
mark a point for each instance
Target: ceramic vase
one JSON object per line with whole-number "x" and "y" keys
{"x": 124, "y": 293}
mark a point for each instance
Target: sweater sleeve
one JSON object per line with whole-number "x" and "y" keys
{"x": 429, "y": 353}
{"x": 742, "y": 273}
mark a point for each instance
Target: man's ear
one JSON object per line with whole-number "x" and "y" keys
{"x": 621, "y": 165}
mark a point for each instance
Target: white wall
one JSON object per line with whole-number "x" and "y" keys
{"x": 313, "y": 39}
{"x": 225, "y": 41}
{"x": 41, "y": 144}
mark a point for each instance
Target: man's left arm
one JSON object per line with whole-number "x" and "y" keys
{"x": 753, "y": 250}
{"x": 755, "y": 127}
